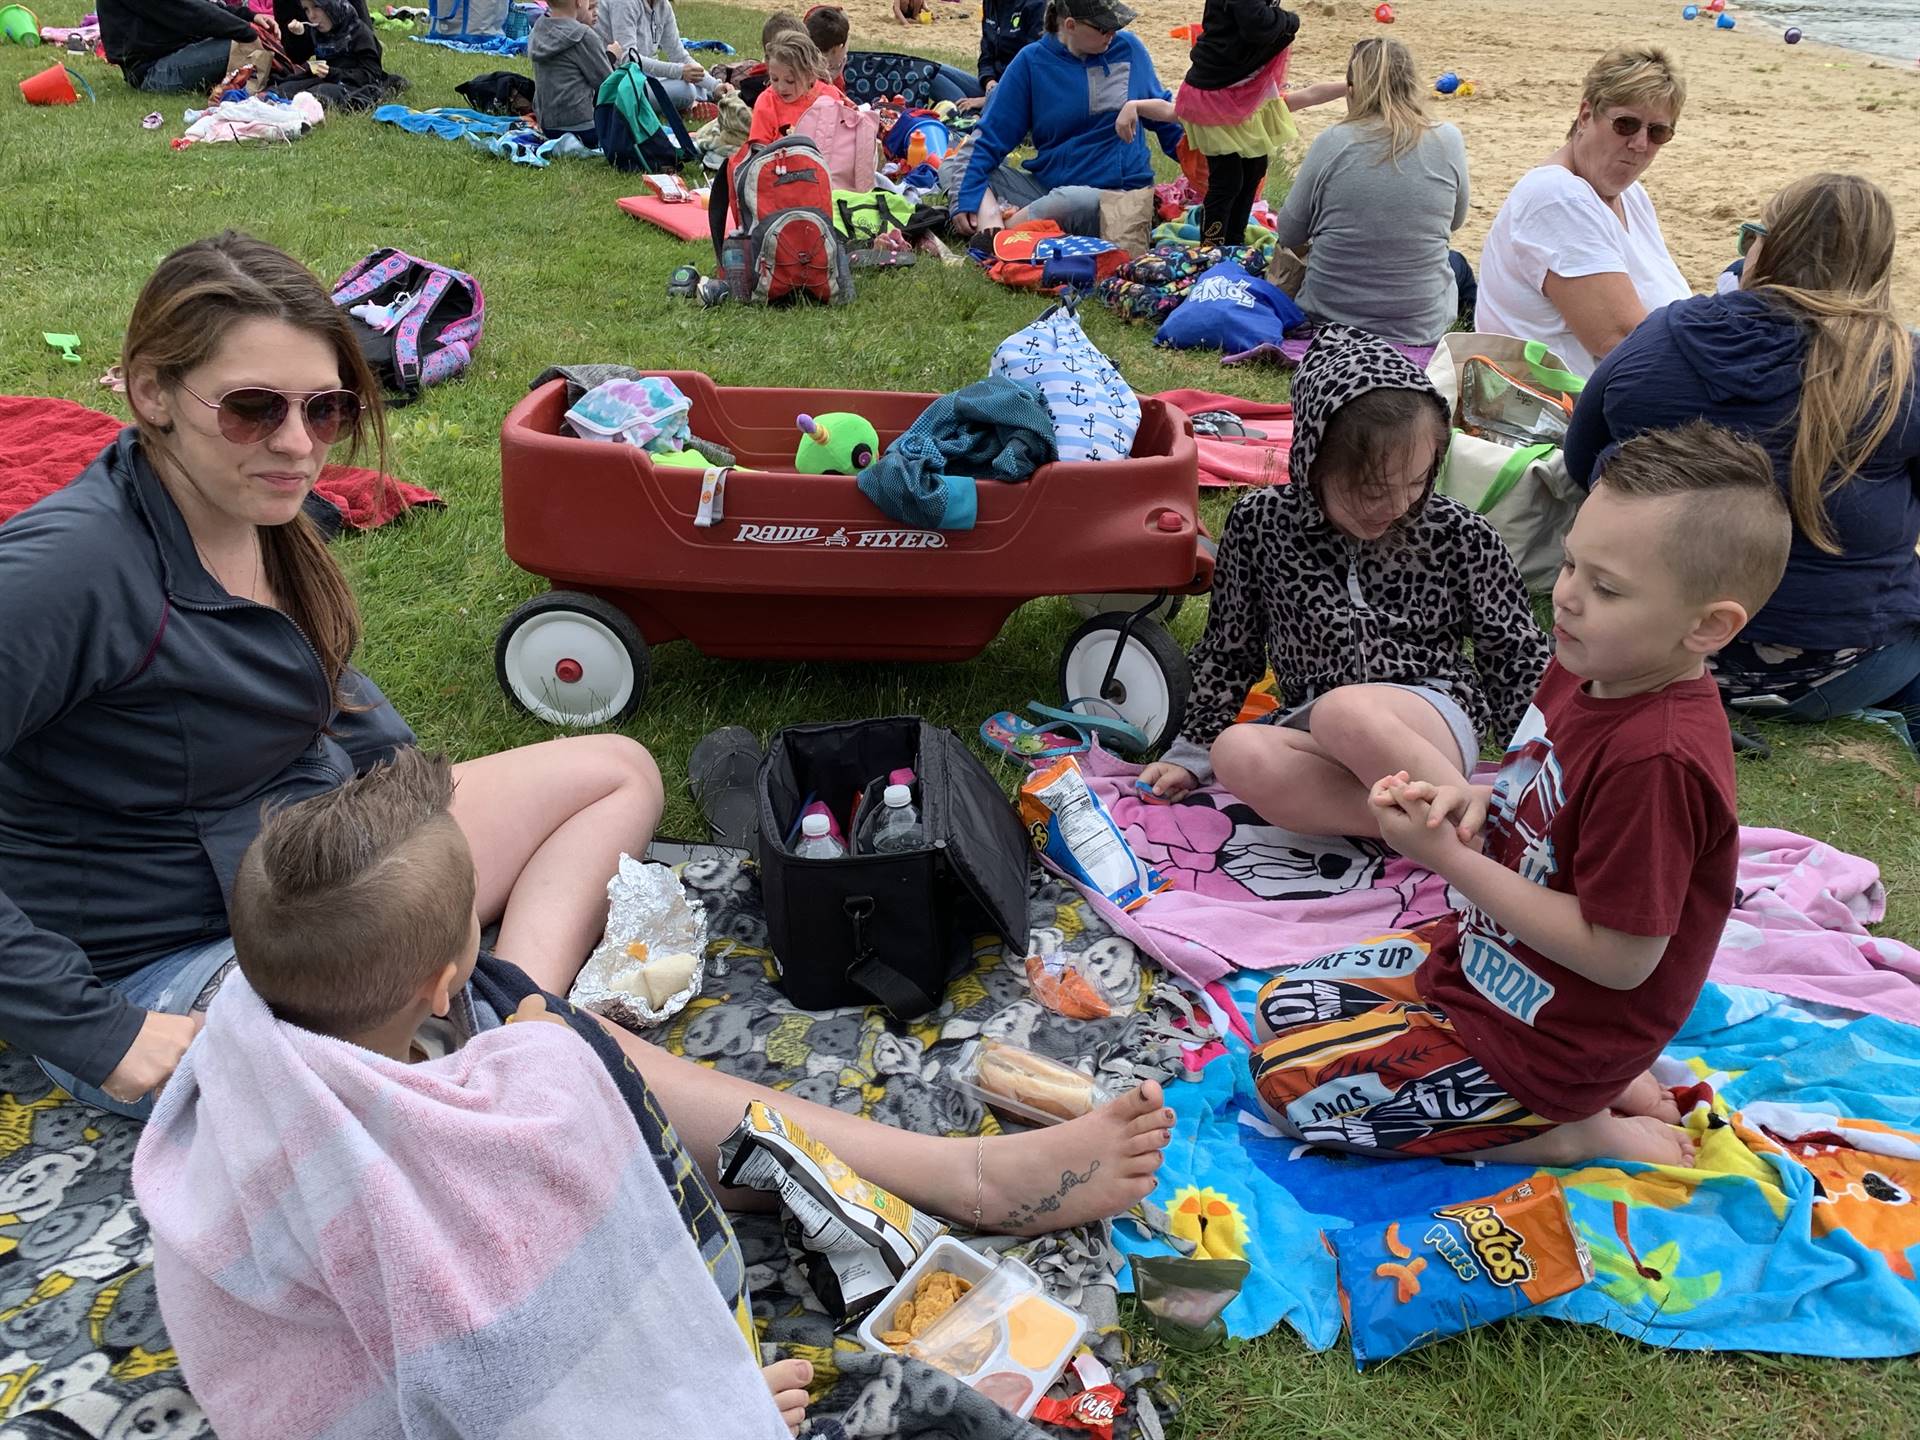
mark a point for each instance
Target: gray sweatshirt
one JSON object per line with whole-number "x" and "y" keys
{"x": 1380, "y": 231}
{"x": 647, "y": 32}
{"x": 569, "y": 62}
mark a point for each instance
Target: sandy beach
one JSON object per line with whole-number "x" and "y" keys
{"x": 1759, "y": 112}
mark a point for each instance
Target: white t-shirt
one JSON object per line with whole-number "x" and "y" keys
{"x": 1553, "y": 221}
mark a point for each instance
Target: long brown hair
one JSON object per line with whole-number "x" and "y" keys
{"x": 1385, "y": 90}
{"x": 184, "y": 313}
{"x": 1827, "y": 257}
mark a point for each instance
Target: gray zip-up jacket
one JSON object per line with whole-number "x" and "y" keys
{"x": 646, "y": 31}
{"x": 146, "y": 715}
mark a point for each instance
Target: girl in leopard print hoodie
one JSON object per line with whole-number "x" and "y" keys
{"x": 1363, "y": 590}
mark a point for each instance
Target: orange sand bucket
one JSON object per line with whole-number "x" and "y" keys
{"x": 50, "y": 87}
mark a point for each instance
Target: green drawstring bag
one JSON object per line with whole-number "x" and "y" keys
{"x": 1510, "y": 402}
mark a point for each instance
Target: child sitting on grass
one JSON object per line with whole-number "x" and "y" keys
{"x": 751, "y": 80}
{"x": 796, "y": 77}
{"x": 1362, "y": 589}
{"x": 569, "y": 62}
{"x": 1522, "y": 1028}
{"x": 830, "y": 31}
{"x": 377, "y": 1211}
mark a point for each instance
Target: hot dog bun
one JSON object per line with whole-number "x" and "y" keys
{"x": 1023, "y": 1078}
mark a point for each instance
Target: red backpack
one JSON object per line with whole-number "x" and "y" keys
{"x": 784, "y": 243}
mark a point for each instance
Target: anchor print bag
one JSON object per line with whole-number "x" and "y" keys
{"x": 1094, "y": 411}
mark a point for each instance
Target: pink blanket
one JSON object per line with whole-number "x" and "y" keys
{"x": 353, "y": 1248}
{"x": 1251, "y": 896}
{"x": 1799, "y": 927}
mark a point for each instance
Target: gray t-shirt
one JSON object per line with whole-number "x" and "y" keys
{"x": 1379, "y": 231}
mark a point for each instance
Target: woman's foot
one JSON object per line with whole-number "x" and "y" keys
{"x": 1647, "y": 1096}
{"x": 1093, "y": 1168}
{"x": 788, "y": 1380}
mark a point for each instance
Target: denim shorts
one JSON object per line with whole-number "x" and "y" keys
{"x": 1464, "y": 735}
{"x": 175, "y": 984}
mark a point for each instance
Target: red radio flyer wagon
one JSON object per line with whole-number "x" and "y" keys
{"x": 805, "y": 567}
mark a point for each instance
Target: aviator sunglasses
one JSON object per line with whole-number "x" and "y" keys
{"x": 1628, "y": 126}
{"x": 252, "y": 413}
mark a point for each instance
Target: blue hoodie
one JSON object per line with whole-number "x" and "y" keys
{"x": 1068, "y": 105}
{"x": 1736, "y": 360}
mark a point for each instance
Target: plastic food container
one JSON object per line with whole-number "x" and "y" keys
{"x": 1024, "y": 1085}
{"x": 1006, "y": 1337}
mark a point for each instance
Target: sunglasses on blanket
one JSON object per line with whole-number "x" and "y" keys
{"x": 1628, "y": 126}
{"x": 252, "y": 413}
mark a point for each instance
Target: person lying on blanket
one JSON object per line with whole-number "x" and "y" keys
{"x": 1522, "y": 1028}
{"x": 411, "y": 1223}
{"x": 1363, "y": 590}
{"x": 177, "y": 656}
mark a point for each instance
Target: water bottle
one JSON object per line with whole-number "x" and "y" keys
{"x": 816, "y": 843}
{"x": 898, "y": 825}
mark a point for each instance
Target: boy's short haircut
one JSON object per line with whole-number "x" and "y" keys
{"x": 1733, "y": 526}
{"x": 346, "y": 904}
{"x": 796, "y": 51}
{"x": 777, "y": 23}
{"x": 827, "y": 27}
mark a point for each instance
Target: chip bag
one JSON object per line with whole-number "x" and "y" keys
{"x": 1073, "y": 830}
{"x": 1416, "y": 1280}
{"x": 855, "y": 1240}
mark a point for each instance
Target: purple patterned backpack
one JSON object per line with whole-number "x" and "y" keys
{"x": 417, "y": 322}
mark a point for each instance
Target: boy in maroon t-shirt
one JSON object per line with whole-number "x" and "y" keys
{"x": 1522, "y": 1027}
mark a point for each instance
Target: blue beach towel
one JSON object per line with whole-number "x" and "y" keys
{"x": 991, "y": 430}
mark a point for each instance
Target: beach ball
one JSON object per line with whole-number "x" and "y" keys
{"x": 1692, "y": 12}
{"x": 1383, "y": 13}
{"x": 1725, "y": 22}
{"x": 1447, "y": 83}
{"x": 1792, "y": 37}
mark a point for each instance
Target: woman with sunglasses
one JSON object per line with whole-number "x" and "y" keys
{"x": 1809, "y": 358}
{"x": 1575, "y": 257}
{"x": 176, "y": 657}
{"x": 1086, "y": 94}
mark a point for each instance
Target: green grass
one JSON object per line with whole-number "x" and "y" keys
{"x": 89, "y": 202}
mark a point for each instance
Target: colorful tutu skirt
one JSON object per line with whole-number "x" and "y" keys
{"x": 1249, "y": 117}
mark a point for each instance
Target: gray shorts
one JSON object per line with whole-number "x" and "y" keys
{"x": 1075, "y": 207}
{"x": 1435, "y": 693}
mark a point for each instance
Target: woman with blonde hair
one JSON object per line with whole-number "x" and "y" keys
{"x": 1377, "y": 198}
{"x": 1809, "y": 359}
{"x": 1575, "y": 257}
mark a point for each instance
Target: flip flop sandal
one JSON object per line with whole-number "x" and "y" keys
{"x": 721, "y": 775}
{"x": 1012, "y": 735}
{"x": 1125, "y": 736}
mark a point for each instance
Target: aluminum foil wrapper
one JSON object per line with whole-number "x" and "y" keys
{"x": 644, "y": 903}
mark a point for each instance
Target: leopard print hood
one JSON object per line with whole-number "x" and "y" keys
{"x": 1342, "y": 365}
{"x": 1437, "y": 602}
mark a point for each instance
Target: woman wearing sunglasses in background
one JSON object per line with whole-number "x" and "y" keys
{"x": 175, "y": 655}
{"x": 1575, "y": 256}
{"x": 1809, "y": 359}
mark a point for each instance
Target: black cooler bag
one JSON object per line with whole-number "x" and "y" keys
{"x": 889, "y": 929}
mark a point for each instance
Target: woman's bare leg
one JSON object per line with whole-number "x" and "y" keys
{"x": 1087, "y": 1169}
{"x": 547, "y": 824}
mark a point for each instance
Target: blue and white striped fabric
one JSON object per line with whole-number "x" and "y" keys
{"x": 1094, "y": 411}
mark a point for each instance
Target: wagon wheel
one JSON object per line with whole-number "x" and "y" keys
{"x": 1150, "y": 680}
{"x": 572, "y": 659}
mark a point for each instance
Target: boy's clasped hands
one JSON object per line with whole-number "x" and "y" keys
{"x": 1427, "y": 822}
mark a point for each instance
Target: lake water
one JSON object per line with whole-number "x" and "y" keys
{"x": 1883, "y": 27}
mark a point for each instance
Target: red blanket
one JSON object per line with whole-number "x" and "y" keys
{"x": 44, "y": 444}
{"x": 1240, "y": 462}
